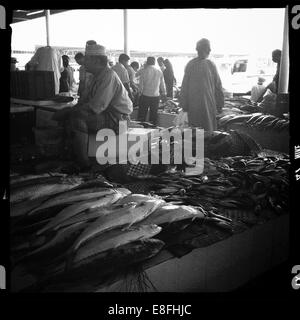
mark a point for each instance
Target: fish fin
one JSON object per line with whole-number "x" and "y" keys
{"x": 50, "y": 174}
{"x": 126, "y": 227}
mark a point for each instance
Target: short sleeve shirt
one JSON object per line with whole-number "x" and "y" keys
{"x": 122, "y": 72}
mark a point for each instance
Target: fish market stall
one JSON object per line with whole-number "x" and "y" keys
{"x": 146, "y": 228}
{"x": 84, "y": 233}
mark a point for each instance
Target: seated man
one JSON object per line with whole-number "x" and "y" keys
{"x": 106, "y": 103}
{"x": 258, "y": 89}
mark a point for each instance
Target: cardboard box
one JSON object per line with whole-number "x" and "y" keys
{"x": 117, "y": 144}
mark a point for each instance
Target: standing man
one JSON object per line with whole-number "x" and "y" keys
{"x": 84, "y": 77}
{"x": 132, "y": 69}
{"x": 121, "y": 69}
{"x": 160, "y": 62}
{"x": 201, "y": 93}
{"x": 151, "y": 84}
{"x": 67, "y": 76}
{"x": 106, "y": 103}
{"x": 276, "y": 57}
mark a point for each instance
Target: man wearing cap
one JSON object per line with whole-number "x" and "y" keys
{"x": 201, "y": 93}
{"x": 106, "y": 103}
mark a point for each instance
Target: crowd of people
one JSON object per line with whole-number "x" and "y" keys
{"x": 146, "y": 85}
{"x": 108, "y": 92}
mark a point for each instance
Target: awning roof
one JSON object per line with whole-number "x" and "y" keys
{"x": 25, "y": 15}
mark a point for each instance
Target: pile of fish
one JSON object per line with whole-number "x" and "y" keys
{"x": 258, "y": 120}
{"x": 66, "y": 228}
{"x": 218, "y": 144}
{"x": 170, "y": 106}
{"x": 244, "y": 183}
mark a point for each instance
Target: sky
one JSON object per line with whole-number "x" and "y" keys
{"x": 250, "y": 31}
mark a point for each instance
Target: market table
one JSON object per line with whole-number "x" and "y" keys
{"x": 222, "y": 266}
{"x": 43, "y": 110}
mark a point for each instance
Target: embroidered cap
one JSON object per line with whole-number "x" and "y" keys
{"x": 94, "y": 49}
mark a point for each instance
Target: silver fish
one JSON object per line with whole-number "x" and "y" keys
{"x": 129, "y": 215}
{"x": 86, "y": 216}
{"x": 115, "y": 238}
{"x": 21, "y": 208}
{"x": 170, "y": 213}
{"x": 76, "y": 196}
{"x": 58, "y": 240}
{"x": 136, "y": 198}
{"x": 18, "y": 179}
{"x": 76, "y": 208}
{"x": 46, "y": 188}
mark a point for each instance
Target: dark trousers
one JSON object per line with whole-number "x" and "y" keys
{"x": 144, "y": 104}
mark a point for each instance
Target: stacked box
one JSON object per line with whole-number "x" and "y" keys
{"x": 32, "y": 85}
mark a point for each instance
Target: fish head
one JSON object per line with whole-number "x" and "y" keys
{"x": 139, "y": 198}
{"x": 121, "y": 206}
{"x": 151, "y": 229}
{"x": 123, "y": 191}
{"x": 178, "y": 212}
{"x": 147, "y": 207}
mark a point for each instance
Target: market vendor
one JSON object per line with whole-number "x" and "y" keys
{"x": 273, "y": 86}
{"x": 106, "y": 103}
{"x": 201, "y": 93}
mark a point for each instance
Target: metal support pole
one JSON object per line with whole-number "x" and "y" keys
{"x": 126, "y": 48}
{"x": 285, "y": 62}
{"x": 282, "y": 101}
{"x": 47, "y": 15}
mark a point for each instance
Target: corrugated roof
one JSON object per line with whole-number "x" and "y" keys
{"x": 25, "y": 15}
